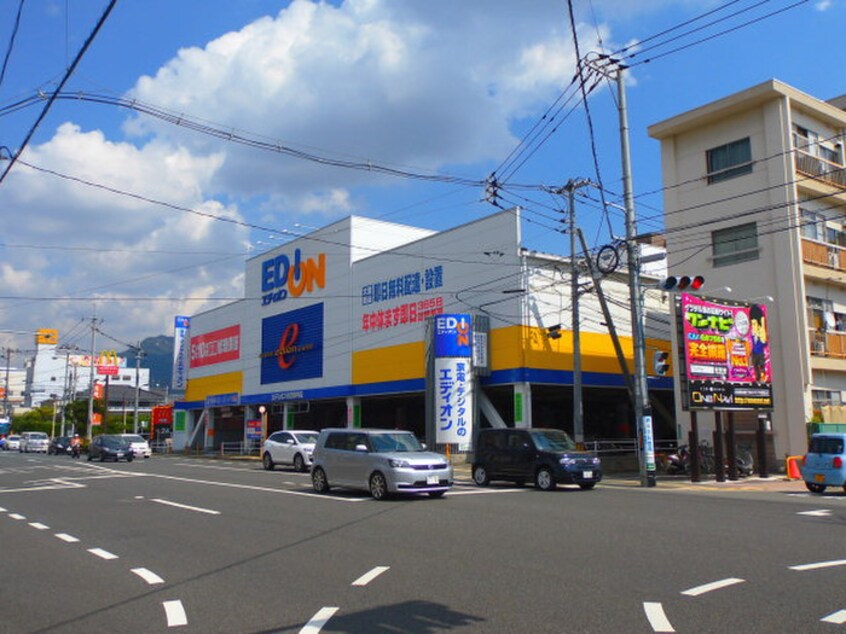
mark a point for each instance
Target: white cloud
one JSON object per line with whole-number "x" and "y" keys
{"x": 823, "y": 5}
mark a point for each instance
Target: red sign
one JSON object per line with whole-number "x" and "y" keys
{"x": 110, "y": 370}
{"x": 216, "y": 347}
{"x": 99, "y": 390}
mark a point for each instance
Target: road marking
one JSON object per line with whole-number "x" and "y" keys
{"x": 39, "y": 526}
{"x": 2, "y": 510}
{"x": 17, "y": 516}
{"x": 150, "y": 577}
{"x": 817, "y": 513}
{"x": 139, "y": 497}
{"x": 67, "y": 538}
{"x": 818, "y": 565}
{"x": 104, "y": 554}
{"x": 657, "y": 619}
{"x": 318, "y": 621}
{"x": 366, "y": 578}
{"x": 175, "y": 613}
{"x": 839, "y": 618}
{"x": 185, "y": 506}
{"x": 709, "y": 587}
{"x": 57, "y": 484}
{"x": 479, "y": 491}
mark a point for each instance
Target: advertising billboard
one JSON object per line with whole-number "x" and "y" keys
{"x": 216, "y": 347}
{"x": 724, "y": 354}
{"x": 453, "y": 336}
{"x": 180, "y": 352}
{"x": 292, "y": 345}
{"x": 453, "y": 400}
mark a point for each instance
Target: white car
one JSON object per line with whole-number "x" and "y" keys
{"x": 139, "y": 446}
{"x": 34, "y": 441}
{"x": 13, "y": 442}
{"x": 292, "y": 447}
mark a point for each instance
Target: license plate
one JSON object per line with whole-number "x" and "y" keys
{"x": 587, "y": 475}
{"x": 432, "y": 479}
{"x": 819, "y": 477}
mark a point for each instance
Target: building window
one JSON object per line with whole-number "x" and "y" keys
{"x": 735, "y": 244}
{"x": 821, "y": 398}
{"x": 729, "y": 160}
{"x": 813, "y": 224}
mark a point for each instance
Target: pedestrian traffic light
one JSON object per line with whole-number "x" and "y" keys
{"x": 671, "y": 283}
{"x": 661, "y": 362}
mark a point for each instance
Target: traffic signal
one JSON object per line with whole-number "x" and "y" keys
{"x": 661, "y": 362}
{"x": 672, "y": 283}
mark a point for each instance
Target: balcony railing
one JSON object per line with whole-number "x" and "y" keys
{"x": 828, "y": 343}
{"x": 821, "y": 169}
{"x": 829, "y": 256}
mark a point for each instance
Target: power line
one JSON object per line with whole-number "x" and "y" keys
{"x": 11, "y": 42}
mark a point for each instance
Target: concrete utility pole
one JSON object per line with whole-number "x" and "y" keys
{"x": 6, "y": 386}
{"x": 91, "y": 363}
{"x": 139, "y": 354}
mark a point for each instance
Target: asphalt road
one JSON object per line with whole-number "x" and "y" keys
{"x": 197, "y": 545}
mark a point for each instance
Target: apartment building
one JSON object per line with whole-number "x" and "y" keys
{"x": 755, "y": 200}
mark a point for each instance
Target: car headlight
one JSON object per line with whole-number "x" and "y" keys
{"x": 399, "y": 464}
{"x": 595, "y": 461}
{"x": 567, "y": 461}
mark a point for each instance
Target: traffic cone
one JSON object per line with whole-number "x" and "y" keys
{"x": 793, "y": 471}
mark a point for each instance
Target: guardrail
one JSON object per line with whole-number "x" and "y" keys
{"x": 241, "y": 448}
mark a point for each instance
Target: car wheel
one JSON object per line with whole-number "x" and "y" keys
{"x": 267, "y": 461}
{"x": 319, "y": 481}
{"x": 299, "y": 463}
{"x": 89, "y": 458}
{"x": 544, "y": 480}
{"x": 102, "y": 457}
{"x": 130, "y": 457}
{"x": 436, "y": 494}
{"x": 587, "y": 486}
{"x": 813, "y": 487}
{"x": 378, "y": 486}
{"x": 480, "y": 476}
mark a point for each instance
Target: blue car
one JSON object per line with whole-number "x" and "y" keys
{"x": 825, "y": 463}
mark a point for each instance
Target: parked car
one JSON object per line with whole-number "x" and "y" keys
{"x": 289, "y": 448}
{"x": 36, "y": 441}
{"x": 139, "y": 446}
{"x": 110, "y": 447}
{"x": 544, "y": 456}
{"x": 59, "y": 445}
{"x": 13, "y": 441}
{"x": 379, "y": 461}
{"x": 825, "y": 463}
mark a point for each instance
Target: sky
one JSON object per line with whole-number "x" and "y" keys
{"x": 158, "y": 170}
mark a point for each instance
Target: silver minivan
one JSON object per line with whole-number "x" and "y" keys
{"x": 380, "y": 461}
{"x": 34, "y": 441}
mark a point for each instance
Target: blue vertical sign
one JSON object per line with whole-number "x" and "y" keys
{"x": 181, "y": 325}
{"x": 453, "y": 378}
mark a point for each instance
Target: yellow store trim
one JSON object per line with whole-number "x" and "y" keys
{"x": 394, "y": 363}
{"x": 200, "y": 388}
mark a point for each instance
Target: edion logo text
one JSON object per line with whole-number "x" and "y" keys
{"x": 280, "y": 277}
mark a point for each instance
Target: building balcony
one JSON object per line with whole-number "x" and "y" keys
{"x": 821, "y": 169}
{"x": 823, "y": 254}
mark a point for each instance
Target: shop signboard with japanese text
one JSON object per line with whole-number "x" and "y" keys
{"x": 181, "y": 325}
{"x": 725, "y": 354}
{"x": 453, "y": 380}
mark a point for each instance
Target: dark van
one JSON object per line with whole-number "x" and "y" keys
{"x": 544, "y": 456}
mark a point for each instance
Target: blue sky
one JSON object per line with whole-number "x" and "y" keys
{"x": 423, "y": 86}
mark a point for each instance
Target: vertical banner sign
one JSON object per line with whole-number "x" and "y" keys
{"x": 180, "y": 353}
{"x": 726, "y": 354}
{"x": 453, "y": 378}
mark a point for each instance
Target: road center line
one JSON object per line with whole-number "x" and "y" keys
{"x": 67, "y": 538}
{"x": 817, "y": 513}
{"x": 709, "y": 587}
{"x": 39, "y": 526}
{"x": 175, "y": 613}
{"x": 818, "y": 565}
{"x": 17, "y": 516}
{"x": 657, "y": 619}
{"x": 2, "y": 510}
{"x": 185, "y": 506}
{"x": 150, "y": 577}
{"x": 103, "y": 554}
{"x": 318, "y": 621}
{"x": 838, "y": 618}
{"x": 366, "y": 578}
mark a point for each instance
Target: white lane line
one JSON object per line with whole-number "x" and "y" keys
{"x": 39, "y": 526}
{"x": 318, "y": 621}
{"x": 185, "y": 506}
{"x": 175, "y": 613}
{"x": 838, "y": 618}
{"x": 479, "y": 491}
{"x": 17, "y": 516}
{"x": 150, "y": 577}
{"x": 103, "y": 554}
{"x": 657, "y": 619}
{"x": 817, "y": 513}
{"x": 710, "y": 587}
{"x": 2, "y": 510}
{"x": 366, "y": 578}
{"x": 67, "y": 538}
{"x": 818, "y": 565}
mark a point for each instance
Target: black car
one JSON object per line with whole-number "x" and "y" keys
{"x": 544, "y": 456}
{"x": 110, "y": 447}
{"x": 60, "y": 445}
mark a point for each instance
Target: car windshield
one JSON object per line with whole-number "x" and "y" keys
{"x": 553, "y": 440}
{"x": 132, "y": 438}
{"x": 114, "y": 442}
{"x": 306, "y": 438}
{"x": 37, "y": 435}
{"x": 394, "y": 442}
{"x": 826, "y": 444}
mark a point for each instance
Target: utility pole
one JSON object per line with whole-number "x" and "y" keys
{"x": 139, "y": 353}
{"x": 91, "y": 379}
{"x": 6, "y": 386}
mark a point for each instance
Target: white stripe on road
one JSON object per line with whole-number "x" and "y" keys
{"x": 709, "y": 587}
{"x": 479, "y": 491}
{"x": 821, "y": 564}
{"x": 838, "y": 618}
{"x": 657, "y": 618}
{"x": 17, "y": 516}
{"x": 366, "y": 578}
{"x": 175, "y": 613}
{"x": 318, "y": 621}
{"x": 817, "y": 513}
{"x": 39, "y": 526}
{"x": 2, "y": 510}
{"x": 67, "y": 538}
{"x": 150, "y": 577}
{"x": 104, "y": 554}
{"x": 185, "y": 506}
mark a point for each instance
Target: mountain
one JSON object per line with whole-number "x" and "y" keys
{"x": 158, "y": 356}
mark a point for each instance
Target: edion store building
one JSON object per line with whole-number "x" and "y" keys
{"x": 336, "y": 329}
